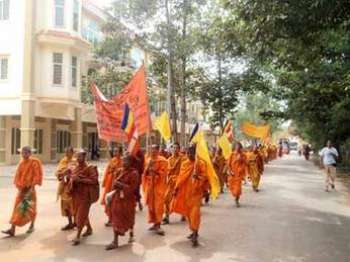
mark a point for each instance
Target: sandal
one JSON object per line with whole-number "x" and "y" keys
{"x": 8, "y": 232}
{"x": 87, "y": 233}
{"x": 76, "y": 242}
{"x": 111, "y": 246}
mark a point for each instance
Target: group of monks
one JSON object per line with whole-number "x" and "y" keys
{"x": 175, "y": 182}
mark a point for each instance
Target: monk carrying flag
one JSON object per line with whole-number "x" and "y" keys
{"x": 29, "y": 174}
{"x": 174, "y": 168}
{"x": 237, "y": 165}
{"x": 64, "y": 169}
{"x": 84, "y": 187}
{"x": 189, "y": 190}
{"x": 219, "y": 164}
{"x": 255, "y": 166}
{"x": 114, "y": 164}
{"x": 154, "y": 187}
{"x": 123, "y": 201}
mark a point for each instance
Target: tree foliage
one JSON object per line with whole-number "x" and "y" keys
{"x": 305, "y": 46}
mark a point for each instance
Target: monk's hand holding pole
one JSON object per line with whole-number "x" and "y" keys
{"x": 149, "y": 168}
{"x": 175, "y": 192}
{"x": 118, "y": 185}
{"x": 195, "y": 176}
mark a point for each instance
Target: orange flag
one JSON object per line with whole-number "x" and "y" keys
{"x": 135, "y": 95}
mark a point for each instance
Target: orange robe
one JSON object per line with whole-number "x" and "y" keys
{"x": 123, "y": 203}
{"x": 219, "y": 163}
{"x": 154, "y": 187}
{"x": 28, "y": 175}
{"x": 63, "y": 190}
{"x": 114, "y": 164}
{"x": 84, "y": 192}
{"x": 255, "y": 167}
{"x": 189, "y": 191}
{"x": 174, "y": 169}
{"x": 237, "y": 164}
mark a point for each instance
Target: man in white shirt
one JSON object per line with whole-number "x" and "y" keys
{"x": 329, "y": 157}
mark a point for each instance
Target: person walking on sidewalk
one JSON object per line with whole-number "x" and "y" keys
{"x": 329, "y": 156}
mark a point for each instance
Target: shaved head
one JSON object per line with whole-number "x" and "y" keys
{"x": 26, "y": 152}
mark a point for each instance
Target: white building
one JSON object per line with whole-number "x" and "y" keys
{"x": 44, "y": 48}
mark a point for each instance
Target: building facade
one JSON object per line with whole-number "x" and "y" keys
{"x": 45, "y": 48}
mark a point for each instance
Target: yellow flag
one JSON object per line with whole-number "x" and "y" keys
{"x": 225, "y": 146}
{"x": 255, "y": 131}
{"x": 203, "y": 153}
{"x": 162, "y": 124}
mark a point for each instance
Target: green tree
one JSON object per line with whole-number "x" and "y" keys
{"x": 304, "y": 45}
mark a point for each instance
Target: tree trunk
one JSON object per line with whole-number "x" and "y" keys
{"x": 221, "y": 113}
{"x": 186, "y": 5}
{"x": 171, "y": 102}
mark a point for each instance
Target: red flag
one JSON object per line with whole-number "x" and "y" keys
{"x": 108, "y": 117}
{"x": 109, "y": 113}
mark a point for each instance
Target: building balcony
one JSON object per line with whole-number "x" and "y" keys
{"x": 53, "y": 37}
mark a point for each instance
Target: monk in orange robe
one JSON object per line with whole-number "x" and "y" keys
{"x": 174, "y": 169}
{"x": 123, "y": 201}
{"x": 189, "y": 190}
{"x": 65, "y": 166}
{"x": 164, "y": 152}
{"x": 255, "y": 166}
{"x": 84, "y": 188}
{"x": 114, "y": 164}
{"x": 219, "y": 164}
{"x": 29, "y": 174}
{"x": 237, "y": 166}
{"x": 154, "y": 187}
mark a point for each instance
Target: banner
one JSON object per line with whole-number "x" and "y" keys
{"x": 255, "y": 131}
{"x": 109, "y": 113}
{"x": 135, "y": 95}
{"x": 108, "y": 117}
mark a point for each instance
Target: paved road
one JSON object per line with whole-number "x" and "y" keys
{"x": 291, "y": 219}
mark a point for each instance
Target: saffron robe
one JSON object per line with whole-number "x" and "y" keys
{"x": 189, "y": 191}
{"x": 29, "y": 174}
{"x": 123, "y": 202}
{"x": 237, "y": 164}
{"x": 154, "y": 187}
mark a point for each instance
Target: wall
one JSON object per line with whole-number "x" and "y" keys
{"x": 11, "y": 44}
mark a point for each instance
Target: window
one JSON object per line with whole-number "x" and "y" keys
{"x": 4, "y": 9}
{"x": 4, "y": 68}
{"x": 59, "y": 13}
{"x": 57, "y": 68}
{"x": 38, "y": 141}
{"x": 91, "y": 31}
{"x": 15, "y": 140}
{"x": 74, "y": 70}
{"x": 63, "y": 140}
{"x": 75, "y": 15}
